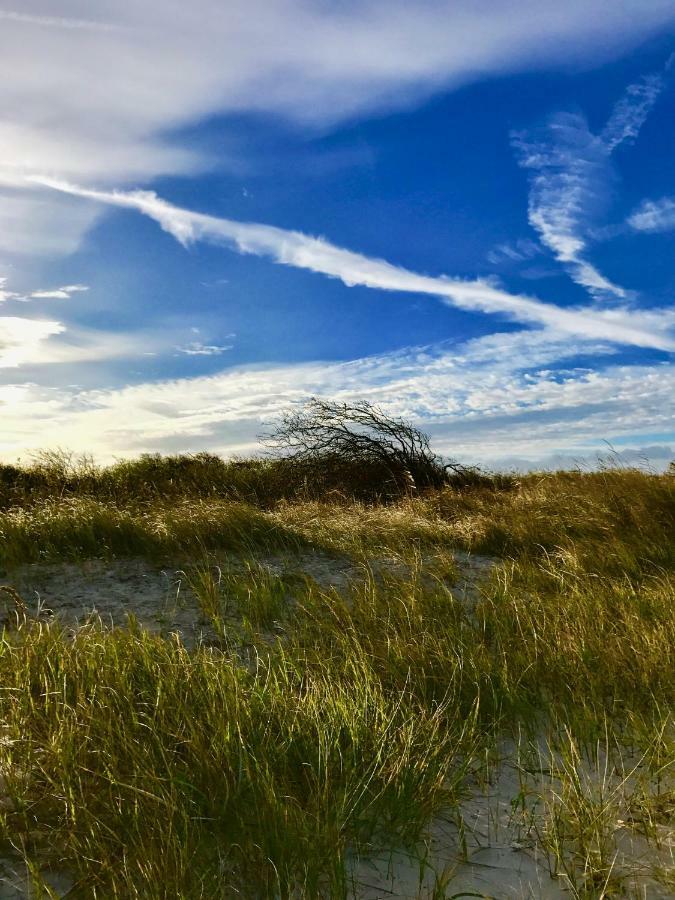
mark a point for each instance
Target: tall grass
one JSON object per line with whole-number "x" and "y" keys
{"x": 262, "y": 481}
{"x": 330, "y": 723}
{"x": 81, "y": 528}
{"x": 154, "y": 772}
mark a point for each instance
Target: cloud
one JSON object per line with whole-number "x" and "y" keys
{"x": 8, "y": 295}
{"x": 477, "y": 399}
{"x": 41, "y": 225}
{"x": 538, "y": 273}
{"x": 292, "y": 248}
{"x": 568, "y": 189}
{"x": 61, "y": 293}
{"x": 571, "y": 176}
{"x": 32, "y": 344}
{"x": 54, "y": 22}
{"x": 21, "y": 340}
{"x": 654, "y": 215}
{"x": 520, "y": 250}
{"x": 107, "y": 102}
{"x": 196, "y": 348}
{"x": 88, "y": 99}
{"x": 630, "y": 113}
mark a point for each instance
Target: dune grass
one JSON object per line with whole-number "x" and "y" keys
{"x": 323, "y": 725}
{"x": 170, "y": 773}
{"x": 74, "y": 528}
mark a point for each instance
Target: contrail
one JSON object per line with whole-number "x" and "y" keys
{"x": 293, "y": 248}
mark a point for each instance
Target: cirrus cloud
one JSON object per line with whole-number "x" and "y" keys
{"x": 90, "y": 99}
{"x": 570, "y": 171}
{"x": 654, "y": 215}
{"x": 292, "y": 248}
{"x": 481, "y": 400}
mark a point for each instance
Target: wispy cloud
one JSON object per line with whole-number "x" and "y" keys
{"x": 630, "y": 113}
{"x": 32, "y": 344}
{"x": 196, "y": 348}
{"x": 570, "y": 180}
{"x": 517, "y": 251}
{"x": 35, "y": 344}
{"x": 90, "y": 100}
{"x": 654, "y": 215}
{"x": 292, "y": 248}
{"x": 482, "y": 399}
{"x": 55, "y": 21}
{"x": 60, "y": 293}
{"x": 568, "y": 187}
{"x": 7, "y": 294}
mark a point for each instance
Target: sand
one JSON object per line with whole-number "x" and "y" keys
{"x": 160, "y": 597}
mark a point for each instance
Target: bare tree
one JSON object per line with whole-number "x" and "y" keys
{"x": 323, "y": 431}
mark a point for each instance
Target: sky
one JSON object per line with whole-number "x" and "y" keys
{"x": 462, "y": 211}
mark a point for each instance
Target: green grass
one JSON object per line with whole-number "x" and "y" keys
{"x": 169, "y": 773}
{"x": 322, "y": 724}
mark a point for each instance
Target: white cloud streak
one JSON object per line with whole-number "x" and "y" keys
{"x": 630, "y": 113}
{"x": 36, "y": 344}
{"x": 61, "y": 293}
{"x": 196, "y": 348}
{"x": 571, "y": 171}
{"x": 55, "y": 21}
{"x": 292, "y": 248}
{"x": 517, "y": 251}
{"x": 654, "y": 215}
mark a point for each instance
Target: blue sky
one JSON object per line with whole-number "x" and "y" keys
{"x": 464, "y": 212}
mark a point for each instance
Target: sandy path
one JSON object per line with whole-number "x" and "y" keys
{"x": 160, "y": 596}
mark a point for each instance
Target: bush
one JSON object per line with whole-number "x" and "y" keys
{"x": 357, "y": 448}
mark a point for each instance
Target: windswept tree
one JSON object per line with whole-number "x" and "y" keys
{"x": 325, "y": 434}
